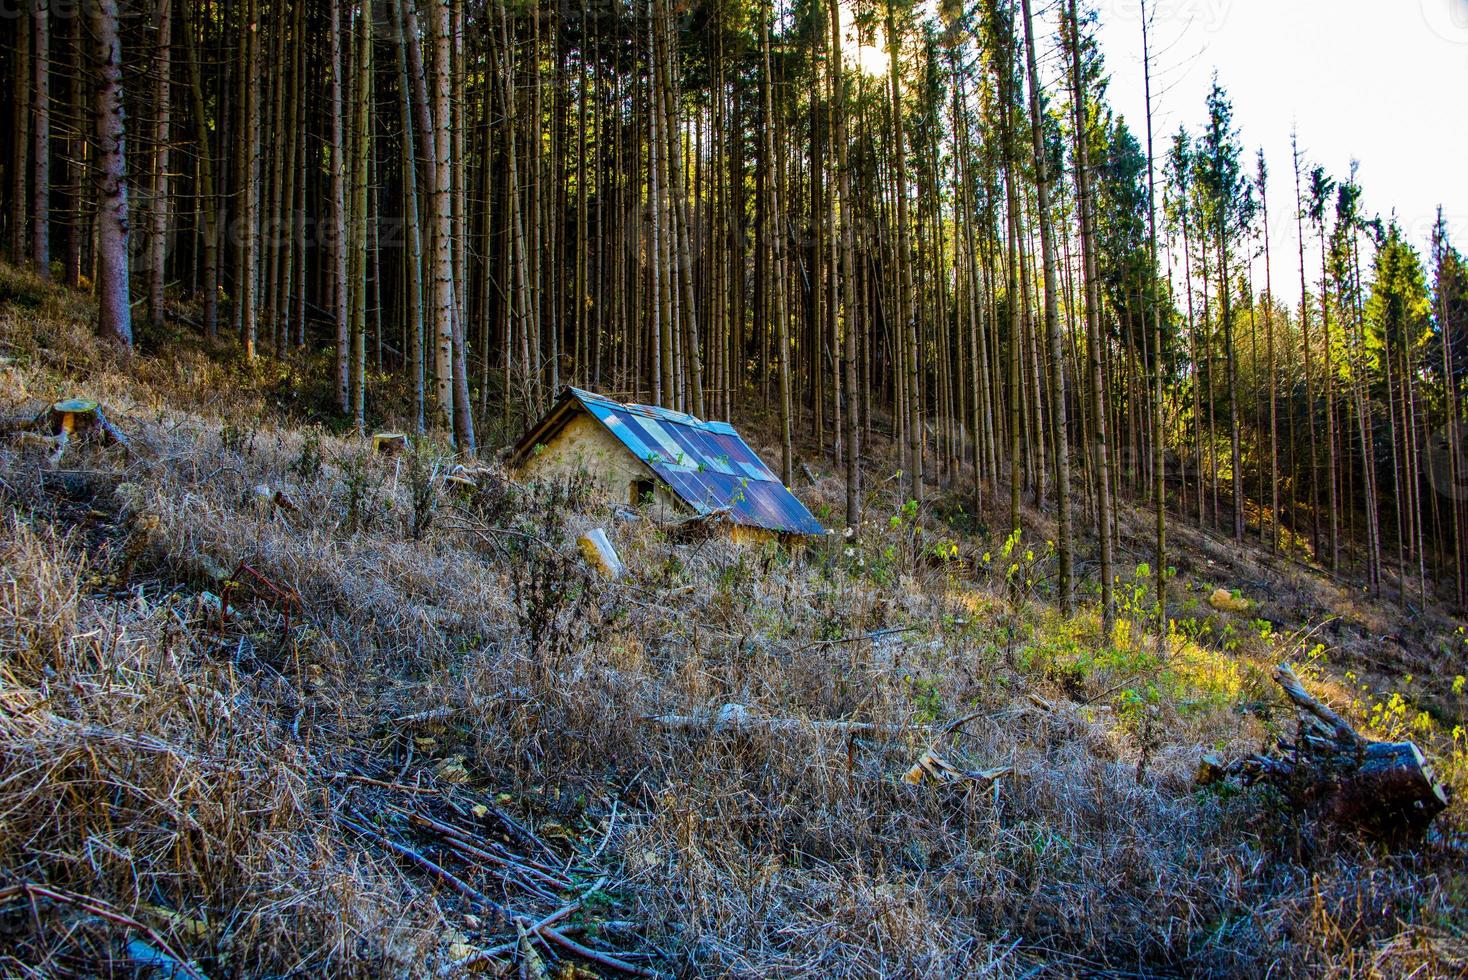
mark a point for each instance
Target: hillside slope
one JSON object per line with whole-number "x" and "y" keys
{"x": 273, "y": 705}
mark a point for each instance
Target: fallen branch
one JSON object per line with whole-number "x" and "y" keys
{"x": 431, "y": 716}
{"x": 586, "y": 952}
{"x": 737, "y": 718}
{"x": 477, "y": 848}
{"x": 438, "y": 871}
{"x": 874, "y": 635}
{"x": 1343, "y": 733}
{"x": 932, "y": 767}
{"x": 384, "y": 784}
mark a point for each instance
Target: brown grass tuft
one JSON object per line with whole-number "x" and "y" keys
{"x": 214, "y": 710}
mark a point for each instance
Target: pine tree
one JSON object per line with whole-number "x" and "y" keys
{"x": 114, "y": 309}
{"x": 41, "y": 133}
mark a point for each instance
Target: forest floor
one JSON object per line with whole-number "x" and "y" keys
{"x": 271, "y": 704}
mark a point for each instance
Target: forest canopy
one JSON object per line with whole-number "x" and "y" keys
{"x": 924, "y": 222}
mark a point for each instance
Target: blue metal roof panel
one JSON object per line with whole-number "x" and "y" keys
{"x": 706, "y": 464}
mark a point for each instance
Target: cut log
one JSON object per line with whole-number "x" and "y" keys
{"x": 737, "y": 718}
{"x": 599, "y": 553}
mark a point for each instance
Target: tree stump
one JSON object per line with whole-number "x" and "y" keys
{"x": 74, "y": 416}
{"x": 1384, "y": 790}
{"x": 389, "y": 443}
{"x": 81, "y": 417}
{"x": 1391, "y": 793}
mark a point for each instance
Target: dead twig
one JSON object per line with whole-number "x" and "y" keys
{"x": 102, "y": 910}
{"x": 438, "y": 871}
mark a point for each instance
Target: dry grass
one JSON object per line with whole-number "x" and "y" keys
{"x": 190, "y": 775}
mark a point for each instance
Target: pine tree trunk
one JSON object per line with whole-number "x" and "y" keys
{"x": 1305, "y": 346}
{"x": 248, "y": 287}
{"x": 1274, "y": 511}
{"x": 775, "y": 242}
{"x": 692, "y": 356}
{"x": 1332, "y": 505}
{"x": 413, "y": 301}
{"x": 41, "y": 133}
{"x": 441, "y": 206}
{"x": 1093, "y": 328}
{"x": 114, "y": 310}
{"x": 20, "y": 198}
{"x": 1225, "y": 290}
{"x": 1059, "y": 422}
{"x": 337, "y": 215}
{"x": 848, "y": 312}
{"x": 906, "y": 315}
{"x": 463, "y": 401}
{"x": 208, "y": 205}
{"x": 76, "y": 155}
{"x": 1159, "y": 458}
{"x": 361, "y": 150}
{"x": 162, "y": 108}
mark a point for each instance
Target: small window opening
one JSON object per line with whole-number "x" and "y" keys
{"x": 642, "y": 492}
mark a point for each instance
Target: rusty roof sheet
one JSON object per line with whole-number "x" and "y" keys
{"x": 706, "y": 464}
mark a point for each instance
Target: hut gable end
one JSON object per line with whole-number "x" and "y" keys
{"x": 632, "y": 450}
{"x": 582, "y": 444}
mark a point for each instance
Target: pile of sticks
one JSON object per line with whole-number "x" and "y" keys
{"x": 536, "y": 890}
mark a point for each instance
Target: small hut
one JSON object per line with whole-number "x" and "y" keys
{"x": 642, "y": 454}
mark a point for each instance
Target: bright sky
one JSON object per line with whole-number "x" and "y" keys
{"x": 1379, "y": 81}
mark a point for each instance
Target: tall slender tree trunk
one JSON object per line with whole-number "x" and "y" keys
{"x": 337, "y": 215}
{"x": 776, "y": 236}
{"x": 1093, "y": 327}
{"x": 1332, "y": 483}
{"x": 248, "y": 288}
{"x": 208, "y": 203}
{"x": 162, "y": 109}
{"x": 692, "y": 341}
{"x": 458, "y": 184}
{"x": 19, "y": 198}
{"x": 1274, "y": 510}
{"x": 114, "y": 310}
{"x": 906, "y": 314}
{"x": 659, "y": 290}
{"x": 848, "y": 312}
{"x": 361, "y": 151}
{"x": 1305, "y": 346}
{"x": 443, "y": 215}
{"x": 1058, "y": 410}
{"x": 41, "y": 133}
{"x": 412, "y": 225}
{"x": 1159, "y": 458}
{"x": 76, "y": 155}
{"x": 1447, "y": 333}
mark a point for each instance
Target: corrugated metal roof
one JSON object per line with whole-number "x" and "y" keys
{"x": 706, "y": 464}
